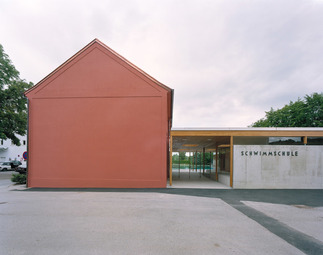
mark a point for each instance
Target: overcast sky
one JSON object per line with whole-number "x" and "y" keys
{"x": 228, "y": 61}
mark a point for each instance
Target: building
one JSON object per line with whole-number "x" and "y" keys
{"x": 9, "y": 151}
{"x": 271, "y": 158}
{"x": 98, "y": 121}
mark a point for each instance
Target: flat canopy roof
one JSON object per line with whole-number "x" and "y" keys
{"x": 247, "y": 131}
{"x": 195, "y": 139}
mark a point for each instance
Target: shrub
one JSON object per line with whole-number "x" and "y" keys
{"x": 18, "y": 178}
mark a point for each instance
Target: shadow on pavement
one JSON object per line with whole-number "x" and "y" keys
{"x": 313, "y": 198}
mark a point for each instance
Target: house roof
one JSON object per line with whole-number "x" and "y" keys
{"x": 96, "y": 41}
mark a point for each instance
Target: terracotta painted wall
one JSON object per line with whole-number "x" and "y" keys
{"x": 96, "y": 122}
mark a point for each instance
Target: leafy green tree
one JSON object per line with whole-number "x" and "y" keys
{"x": 182, "y": 155}
{"x": 13, "y": 104}
{"x": 208, "y": 158}
{"x": 307, "y": 112}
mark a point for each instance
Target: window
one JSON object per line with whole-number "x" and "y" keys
{"x": 285, "y": 140}
{"x": 224, "y": 159}
{"x": 315, "y": 140}
{"x": 250, "y": 140}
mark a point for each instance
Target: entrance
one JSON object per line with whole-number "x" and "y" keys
{"x": 198, "y": 159}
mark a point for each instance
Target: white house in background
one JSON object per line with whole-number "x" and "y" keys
{"x": 9, "y": 152}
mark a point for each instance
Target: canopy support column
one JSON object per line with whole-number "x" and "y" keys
{"x": 200, "y": 164}
{"x": 211, "y": 160}
{"x": 179, "y": 165}
{"x": 189, "y": 165}
{"x": 216, "y": 163}
{"x": 231, "y": 161}
{"x": 203, "y": 160}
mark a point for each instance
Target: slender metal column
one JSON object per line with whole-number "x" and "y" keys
{"x": 203, "y": 160}
{"x": 196, "y": 161}
{"x": 179, "y": 165}
{"x": 211, "y": 157}
{"x": 200, "y": 164}
{"x": 189, "y": 169}
{"x": 231, "y": 161}
{"x": 216, "y": 163}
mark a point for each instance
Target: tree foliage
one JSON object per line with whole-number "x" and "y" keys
{"x": 307, "y": 112}
{"x": 13, "y": 104}
{"x": 185, "y": 159}
{"x": 182, "y": 155}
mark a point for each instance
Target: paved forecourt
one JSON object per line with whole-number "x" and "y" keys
{"x": 158, "y": 221}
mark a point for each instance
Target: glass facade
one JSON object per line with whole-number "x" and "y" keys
{"x": 224, "y": 159}
{"x": 267, "y": 140}
{"x": 315, "y": 140}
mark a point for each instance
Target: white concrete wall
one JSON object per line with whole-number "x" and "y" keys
{"x": 224, "y": 179}
{"x": 301, "y": 169}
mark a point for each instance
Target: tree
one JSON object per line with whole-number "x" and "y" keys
{"x": 13, "y": 104}
{"x": 182, "y": 155}
{"x": 307, "y": 112}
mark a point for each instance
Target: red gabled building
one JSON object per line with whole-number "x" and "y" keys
{"x": 98, "y": 121}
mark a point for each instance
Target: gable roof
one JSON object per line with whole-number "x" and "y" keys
{"x": 96, "y": 41}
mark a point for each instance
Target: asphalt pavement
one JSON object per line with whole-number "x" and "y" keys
{"x": 159, "y": 221}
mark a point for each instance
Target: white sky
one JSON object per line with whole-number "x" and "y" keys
{"x": 228, "y": 61}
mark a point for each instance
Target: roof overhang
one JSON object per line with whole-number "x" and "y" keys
{"x": 197, "y": 139}
{"x": 247, "y": 132}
